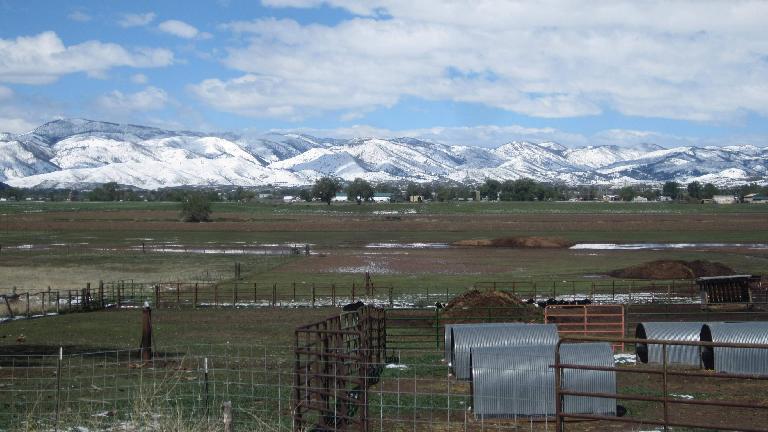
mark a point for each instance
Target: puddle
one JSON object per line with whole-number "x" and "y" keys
{"x": 407, "y": 245}
{"x": 663, "y": 246}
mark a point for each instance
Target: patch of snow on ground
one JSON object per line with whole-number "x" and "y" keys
{"x": 396, "y": 366}
{"x": 621, "y": 359}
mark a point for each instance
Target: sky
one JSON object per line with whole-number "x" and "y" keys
{"x": 473, "y": 72}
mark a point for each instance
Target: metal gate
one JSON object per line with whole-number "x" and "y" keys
{"x": 336, "y": 360}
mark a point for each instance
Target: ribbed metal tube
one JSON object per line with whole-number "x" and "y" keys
{"x": 448, "y": 335}
{"x": 592, "y": 354}
{"x": 464, "y": 338}
{"x": 736, "y": 360}
{"x": 518, "y": 381}
{"x": 671, "y": 331}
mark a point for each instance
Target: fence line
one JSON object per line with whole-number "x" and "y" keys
{"x": 105, "y": 389}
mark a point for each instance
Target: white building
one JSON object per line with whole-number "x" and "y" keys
{"x": 724, "y": 199}
{"x": 380, "y": 197}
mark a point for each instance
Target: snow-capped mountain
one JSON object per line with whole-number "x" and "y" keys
{"x": 77, "y": 152}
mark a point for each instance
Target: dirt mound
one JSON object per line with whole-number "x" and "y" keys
{"x": 490, "y": 306}
{"x": 518, "y": 242}
{"x": 673, "y": 269}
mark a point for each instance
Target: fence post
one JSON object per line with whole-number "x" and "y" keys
{"x": 437, "y": 328}
{"x": 29, "y": 313}
{"x": 119, "y": 297}
{"x": 146, "y": 333}
{"x": 87, "y": 299}
{"x": 353, "y": 292}
{"x": 42, "y": 301}
{"x": 313, "y": 294}
{"x": 58, "y": 301}
{"x": 254, "y": 293}
{"x": 216, "y": 295}
{"x": 157, "y": 295}
{"x": 333, "y": 294}
{"x": 194, "y": 299}
{"x": 274, "y": 294}
{"x": 234, "y": 296}
{"x": 178, "y": 294}
{"x": 58, "y": 387}
{"x": 294, "y": 291}
{"x": 101, "y": 294}
{"x": 227, "y": 416}
{"x": 69, "y": 300}
{"x": 391, "y": 299}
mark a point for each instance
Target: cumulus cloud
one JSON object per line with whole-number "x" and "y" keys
{"x": 136, "y": 20}
{"x": 79, "y": 16}
{"x": 41, "y": 59}
{"x": 182, "y": 30}
{"x": 149, "y": 99}
{"x": 544, "y": 59}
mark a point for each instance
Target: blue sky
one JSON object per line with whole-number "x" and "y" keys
{"x": 468, "y": 72}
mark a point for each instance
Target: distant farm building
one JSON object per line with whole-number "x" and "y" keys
{"x": 289, "y": 198}
{"x": 416, "y": 198}
{"x": 724, "y": 199}
{"x": 340, "y": 197}
{"x": 755, "y": 198}
{"x": 611, "y": 198}
{"x": 382, "y": 197}
{"x": 639, "y": 199}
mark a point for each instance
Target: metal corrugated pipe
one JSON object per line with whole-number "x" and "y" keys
{"x": 464, "y": 338}
{"x": 518, "y": 381}
{"x": 672, "y": 331}
{"x": 448, "y": 335}
{"x": 736, "y": 360}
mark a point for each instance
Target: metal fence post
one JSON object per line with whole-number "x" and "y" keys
{"x": 58, "y": 387}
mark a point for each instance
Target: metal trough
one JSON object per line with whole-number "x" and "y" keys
{"x": 736, "y": 360}
{"x": 464, "y": 338}
{"x": 670, "y": 331}
{"x": 508, "y": 382}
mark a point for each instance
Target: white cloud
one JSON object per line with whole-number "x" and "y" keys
{"x": 79, "y": 16}
{"x": 15, "y": 125}
{"x": 181, "y": 29}
{"x": 41, "y": 59}
{"x": 136, "y": 20}
{"x": 149, "y": 99}
{"x": 139, "y": 78}
{"x": 542, "y": 59}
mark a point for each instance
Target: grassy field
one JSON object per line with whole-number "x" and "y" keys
{"x": 65, "y": 245}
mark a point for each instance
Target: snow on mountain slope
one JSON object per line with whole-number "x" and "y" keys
{"x": 76, "y": 152}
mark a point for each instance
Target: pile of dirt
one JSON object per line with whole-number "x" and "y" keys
{"x": 673, "y": 269}
{"x": 519, "y": 242}
{"x": 490, "y": 306}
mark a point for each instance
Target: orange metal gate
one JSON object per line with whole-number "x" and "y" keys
{"x": 588, "y": 320}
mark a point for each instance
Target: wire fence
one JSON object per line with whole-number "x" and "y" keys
{"x": 411, "y": 391}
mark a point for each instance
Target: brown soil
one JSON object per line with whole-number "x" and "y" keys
{"x": 519, "y": 242}
{"x": 673, "y": 269}
{"x": 475, "y": 305}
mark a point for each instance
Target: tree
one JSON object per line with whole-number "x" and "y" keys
{"x": 627, "y": 193}
{"x": 490, "y": 190}
{"x": 671, "y": 189}
{"x": 709, "y": 191}
{"x": 325, "y": 189}
{"x": 305, "y": 195}
{"x": 694, "y": 189}
{"x": 360, "y": 190}
{"x": 196, "y": 207}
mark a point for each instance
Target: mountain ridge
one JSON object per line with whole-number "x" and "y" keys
{"x": 76, "y": 152}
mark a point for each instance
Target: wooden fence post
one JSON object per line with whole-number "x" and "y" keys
{"x": 101, "y": 294}
{"x": 58, "y": 301}
{"x": 391, "y": 299}
{"x": 234, "y": 296}
{"x": 178, "y": 294}
{"x": 254, "y": 292}
{"x": 69, "y": 300}
{"x": 313, "y": 294}
{"x": 294, "y": 291}
{"x": 146, "y": 334}
{"x": 333, "y": 294}
{"x": 29, "y": 313}
{"x": 274, "y": 294}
